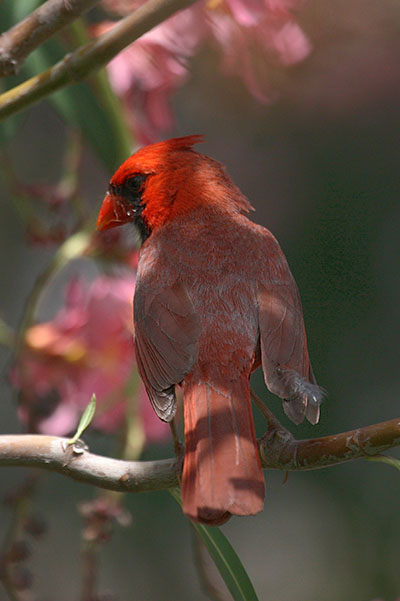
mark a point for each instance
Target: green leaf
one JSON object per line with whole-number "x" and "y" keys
{"x": 85, "y": 420}
{"x": 13, "y": 12}
{"x": 10, "y": 14}
{"x": 228, "y": 563}
{"x": 388, "y": 460}
{"x": 91, "y": 106}
{"x": 225, "y": 558}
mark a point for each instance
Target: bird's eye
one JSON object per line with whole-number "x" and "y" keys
{"x": 134, "y": 184}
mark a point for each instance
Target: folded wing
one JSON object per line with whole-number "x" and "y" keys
{"x": 166, "y": 342}
{"x": 284, "y": 354}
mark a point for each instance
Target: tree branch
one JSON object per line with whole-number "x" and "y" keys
{"x": 52, "y": 453}
{"x": 81, "y": 63}
{"x": 278, "y": 450}
{"x": 19, "y": 41}
{"x": 282, "y": 451}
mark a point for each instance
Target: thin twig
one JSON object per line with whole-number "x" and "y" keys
{"x": 273, "y": 423}
{"x": 49, "y": 452}
{"x": 90, "y": 570}
{"x": 77, "y": 65}
{"x": 7, "y": 335}
{"x": 74, "y": 247}
{"x": 19, "y": 41}
{"x": 14, "y": 549}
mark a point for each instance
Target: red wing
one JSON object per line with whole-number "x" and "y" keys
{"x": 166, "y": 341}
{"x": 284, "y": 353}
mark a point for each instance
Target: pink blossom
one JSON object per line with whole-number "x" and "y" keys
{"x": 250, "y": 33}
{"x": 249, "y": 46}
{"x": 246, "y": 13}
{"x": 87, "y": 348}
{"x": 249, "y": 12}
{"x": 146, "y": 74}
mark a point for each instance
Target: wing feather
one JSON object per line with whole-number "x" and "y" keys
{"x": 284, "y": 354}
{"x": 167, "y": 330}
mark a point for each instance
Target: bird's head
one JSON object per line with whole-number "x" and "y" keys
{"x": 164, "y": 180}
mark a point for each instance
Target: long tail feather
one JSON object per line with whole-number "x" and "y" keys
{"x": 222, "y": 472}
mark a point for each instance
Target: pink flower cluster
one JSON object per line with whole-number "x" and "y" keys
{"x": 249, "y": 33}
{"x": 87, "y": 348}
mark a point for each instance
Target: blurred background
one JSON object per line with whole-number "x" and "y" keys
{"x": 320, "y": 163}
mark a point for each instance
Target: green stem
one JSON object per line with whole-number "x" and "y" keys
{"x": 101, "y": 86}
{"x": 7, "y": 335}
{"x": 69, "y": 185}
{"x": 78, "y": 65}
{"x": 20, "y": 201}
{"x": 72, "y": 248}
{"x": 20, "y": 511}
{"x": 19, "y": 41}
{"x": 135, "y": 438}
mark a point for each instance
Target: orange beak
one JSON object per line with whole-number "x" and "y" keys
{"x": 114, "y": 211}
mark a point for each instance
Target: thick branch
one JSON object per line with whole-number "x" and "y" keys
{"x": 17, "y": 43}
{"x": 281, "y": 451}
{"x": 51, "y": 452}
{"x": 81, "y": 63}
{"x": 278, "y": 450}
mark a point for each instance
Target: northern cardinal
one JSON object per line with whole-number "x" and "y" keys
{"x": 214, "y": 298}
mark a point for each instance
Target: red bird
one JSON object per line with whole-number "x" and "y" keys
{"x": 214, "y": 298}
